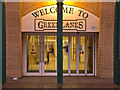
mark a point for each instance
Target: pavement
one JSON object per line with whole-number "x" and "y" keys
{"x": 68, "y": 82}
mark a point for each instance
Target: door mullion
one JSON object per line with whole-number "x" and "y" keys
{"x": 39, "y": 56}
{"x": 77, "y": 61}
{"x": 42, "y": 54}
{"x": 93, "y": 54}
{"x": 69, "y": 55}
{"x": 85, "y": 55}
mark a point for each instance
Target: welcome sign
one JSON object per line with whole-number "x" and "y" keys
{"x": 78, "y": 24}
{"x": 74, "y": 20}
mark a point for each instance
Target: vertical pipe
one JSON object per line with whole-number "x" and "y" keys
{"x": 119, "y": 44}
{"x": 3, "y": 44}
{"x": 116, "y": 44}
{"x": 0, "y": 45}
{"x": 59, "y": 43}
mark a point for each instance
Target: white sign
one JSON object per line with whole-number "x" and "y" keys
{"x": 74, "y": 20}
{"x": 41, "y": 25}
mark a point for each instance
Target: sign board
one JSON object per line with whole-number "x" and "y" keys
{"x": 74, "y": 20}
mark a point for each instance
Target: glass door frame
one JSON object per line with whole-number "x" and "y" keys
{"x": 41, "y": 35}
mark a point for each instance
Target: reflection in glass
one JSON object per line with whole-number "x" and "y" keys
{"x": 89, "y": 54}
{"x": 65, "y": 54}
{"x": 50, "y": 54}
{"x": 73, "y": 54}
{"x": 82, "y": 54}
{"x": 32, "y": 53}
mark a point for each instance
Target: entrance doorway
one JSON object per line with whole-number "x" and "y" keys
{"x": 40, "y": 54}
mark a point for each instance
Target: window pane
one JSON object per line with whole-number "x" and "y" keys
{"x": 89, "y": 54}
{"x": 32, "y": 53}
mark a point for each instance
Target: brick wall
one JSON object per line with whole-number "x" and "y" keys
{"x": 106, "y": 36}
{"x": 13, "y": 41}
{"x": 93, "y": 7}
{"x": 14, "y": 11}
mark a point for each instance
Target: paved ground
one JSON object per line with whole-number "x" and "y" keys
{"x": 51, "y": 82}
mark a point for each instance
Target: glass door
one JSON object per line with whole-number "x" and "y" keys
{"x": 90, "y": 59}
{"x": 33, "y": 52}
{"x": 81, "y": 55}
{"x": 73, "y": 54}
{"x": 65, "y": 54}
{"x": 78, "y": 55}
{"x": 50, "y": 54}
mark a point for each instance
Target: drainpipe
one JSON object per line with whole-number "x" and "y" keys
{"x": 3, "y": 44}
{"x": 0, "y": 45}
{"x": 59, "y": 42}
{"x": 116, "y": 44}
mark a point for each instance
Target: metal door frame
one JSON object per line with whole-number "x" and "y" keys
{"x": 41, "y": 35}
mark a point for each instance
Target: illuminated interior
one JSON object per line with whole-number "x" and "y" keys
{"x": 90, "y": 54}
{"x": 65, "y": 54}
{"x": 50, "y": 54}
{"x": 82, "y": 54}
{"x": 73, "y": 54}
{"x": 33, "y": 53}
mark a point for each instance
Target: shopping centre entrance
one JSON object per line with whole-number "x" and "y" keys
{"x": 39, "y": 29}
{"x": 40, "y": 54}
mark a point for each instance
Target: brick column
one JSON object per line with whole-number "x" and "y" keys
{"x": 13, "y": 40}
{"x": 105, "y": 43}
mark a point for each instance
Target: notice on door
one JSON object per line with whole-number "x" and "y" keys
{"x": 41, "y": 24}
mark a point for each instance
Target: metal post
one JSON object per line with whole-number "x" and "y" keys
{"x": 119, "y": 44}
{"x": 3, "y": 44}
{"x": 116, "y": 44}
{"x": 0, "y": 45}
{"x": 59, "y": 43}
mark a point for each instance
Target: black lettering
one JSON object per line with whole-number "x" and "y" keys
{"x": 85, "y": 15}
{"x": 71, "y": 24}
{"x": 47, "y": 11}
{"x": 45, "y": 25}
{"x": 35, "y": 14}
{"x": 67, "y": 24}
{"x": 80, "y": 12}
{"x": 52, "y": 9}
{"x": 53, "y": 24}
{"x": 81, "y": 25}
{"x": 49, "y": 24}
{"x": 39, "y": 24}
{"x": 42, "y": 12}
{"x": 71, "y": 10}
{"x": 65, "y": 9}
{"x": 76, "y": 24}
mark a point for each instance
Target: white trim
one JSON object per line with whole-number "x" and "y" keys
{"x": 69, "y": 55}
{"x": 55, "y": 74}
{"x": 93, "y": 54}
{"x": 77, "y": 56}
{"x": 24, "y": 54}
{"x": 85, "y": 55}
{"x": 96, "y": 43}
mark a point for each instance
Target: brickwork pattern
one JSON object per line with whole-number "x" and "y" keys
{"x": 106, "y": 36}
{"x": 14, "y": 12}
{"x": 13, "y": 41}
{"x": 93, "y": 7}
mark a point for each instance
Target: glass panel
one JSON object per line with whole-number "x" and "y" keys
{"x": 33, "y": 53}
{"x": 73, "y": 54}
{"x": 50, "y": 54}
{"x": 65, "y": 54}
{"x": 89, "y": 54}
{"x": 82, "y": 54}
